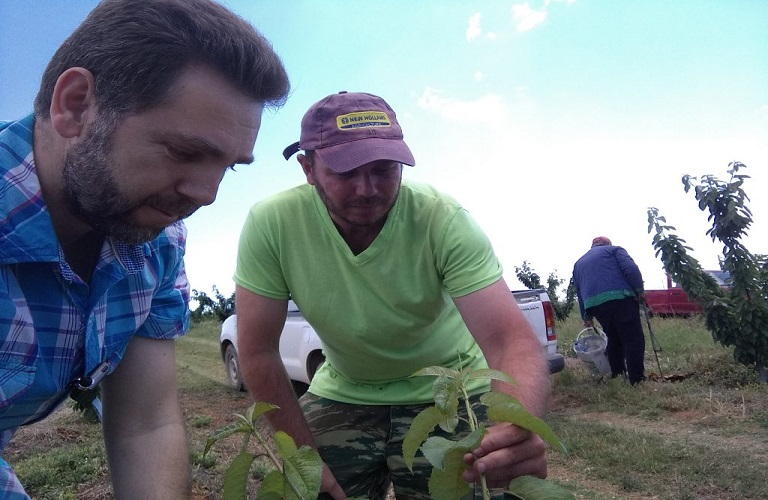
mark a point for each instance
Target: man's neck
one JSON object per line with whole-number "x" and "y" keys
{"x": 82, "y": 254}
{"x": 359, "y": 238}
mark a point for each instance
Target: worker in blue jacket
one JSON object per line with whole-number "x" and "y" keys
{"x": 609, "y": 285}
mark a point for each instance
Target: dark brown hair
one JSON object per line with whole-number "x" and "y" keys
{"x": 137, "y": 49}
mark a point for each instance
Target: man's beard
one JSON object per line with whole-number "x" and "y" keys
{"x": 339, "y": 212}
{"x": 93, "y": 195}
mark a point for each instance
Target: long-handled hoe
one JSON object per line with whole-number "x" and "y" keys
{"x": 654, "y": 343}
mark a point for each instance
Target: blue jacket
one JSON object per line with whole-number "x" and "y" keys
{"x": 605, "y": 273}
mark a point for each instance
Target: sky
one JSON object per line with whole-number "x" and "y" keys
{"x": 551, "y": 121}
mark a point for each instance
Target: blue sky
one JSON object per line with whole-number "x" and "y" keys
{"x": 551, "y": 121}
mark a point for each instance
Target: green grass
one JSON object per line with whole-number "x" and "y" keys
{"x": 57, "y": 461}
{"x": 200, "y": 367}
{"x": 703, "y": 437}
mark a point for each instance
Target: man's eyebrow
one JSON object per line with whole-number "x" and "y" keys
{"x": 203, "y": 146}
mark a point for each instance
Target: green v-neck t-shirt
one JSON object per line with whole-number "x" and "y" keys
{"x": 382, "y": 314}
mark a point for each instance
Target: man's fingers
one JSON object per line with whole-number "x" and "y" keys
{"x": 501, "y": 436}
{"x": 501, "y": 464}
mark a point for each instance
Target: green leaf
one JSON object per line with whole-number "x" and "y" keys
{"x": 436, "y": 447}
{"x": 272, "y": 487}
{"x": 285, "y": 444}
{"x": 449, "y": 425}
{"x": 505, "y": 408}
{"x": 226, "y": 431}
{"x": 447, "y": 483}
{"x": 304, "y": 470}
{"x": 258, "y": 409}
{"x": 236, "y": 477}
{"x": 434, "y": 450}
{"x": 421, "y": 426}
{"x": 437, "y": 371}
{"x": 491, "y": 374}
{"x": 533, "y": 488}
{"x": 446, "y": 394}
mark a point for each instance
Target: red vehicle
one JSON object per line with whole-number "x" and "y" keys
{"x": 674, "y": 302}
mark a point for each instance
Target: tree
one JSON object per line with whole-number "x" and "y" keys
{"x": 532, "y": 281}
{"x": 736, "y": 316}
{"x": 219, "y": 307}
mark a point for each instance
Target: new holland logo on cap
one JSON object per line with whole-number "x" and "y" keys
{"x": 362, "y": 119}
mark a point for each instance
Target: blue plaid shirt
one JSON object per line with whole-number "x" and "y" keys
{"x": 55, "y": 327}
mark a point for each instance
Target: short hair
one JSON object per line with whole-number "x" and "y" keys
{"x": 137, "y": 49}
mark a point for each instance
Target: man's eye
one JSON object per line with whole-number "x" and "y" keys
{"x": 182, "y": 155}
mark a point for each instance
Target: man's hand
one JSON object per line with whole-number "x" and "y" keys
{"x": 588, "y": 323}
{"x": 330, "y": 486}
{"x": 506, "y": 452}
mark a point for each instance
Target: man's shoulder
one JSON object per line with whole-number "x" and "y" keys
{"x": 423, "y": 193}
{"x": 297, "y": 195}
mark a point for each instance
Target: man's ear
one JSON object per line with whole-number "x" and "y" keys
{"x": 73, "y": 104}
{"x": 306, "y": 166}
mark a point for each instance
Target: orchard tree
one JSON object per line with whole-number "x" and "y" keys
{"x": 531, "y": 280}
{"x": 219, "y": 307}
{"x": 737, "y": 316}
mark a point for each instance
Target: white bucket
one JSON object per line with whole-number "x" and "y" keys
{"x": 591, "y": 349}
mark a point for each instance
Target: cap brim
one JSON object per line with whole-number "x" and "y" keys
{"x": 350, "y": 155}
{"x": 291, "y": 150}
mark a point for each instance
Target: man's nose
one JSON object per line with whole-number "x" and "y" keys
{"x": 366, "y": 184}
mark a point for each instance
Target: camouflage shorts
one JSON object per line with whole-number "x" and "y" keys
{"x": 363, "y": 446}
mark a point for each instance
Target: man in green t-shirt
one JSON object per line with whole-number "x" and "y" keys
{"x": 393, "y": 276}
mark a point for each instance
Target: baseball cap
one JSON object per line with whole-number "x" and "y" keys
{"x": 349, "y": 129}
{"x": 601, "y": 241}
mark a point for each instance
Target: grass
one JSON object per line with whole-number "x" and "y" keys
{"x": 704, "y": 437}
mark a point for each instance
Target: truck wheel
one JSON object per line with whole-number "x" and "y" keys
{"x": 314, "y": 361}
{"x": 234, "y": 377}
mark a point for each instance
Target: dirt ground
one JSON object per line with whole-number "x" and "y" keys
{"x": 205, "y": 414}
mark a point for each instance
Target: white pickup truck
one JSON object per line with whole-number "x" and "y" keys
{"x": 302, "y": 351}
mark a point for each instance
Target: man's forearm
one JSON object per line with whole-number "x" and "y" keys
{"x": 528, "y": 367}
{"x": 267, "y": 381}
{"x": 151, "y": 465}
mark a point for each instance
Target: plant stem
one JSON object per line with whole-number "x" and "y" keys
{"x": 470, "y": 414}
{"x": 472, "y": 426}
{"x": 278, "y": 463}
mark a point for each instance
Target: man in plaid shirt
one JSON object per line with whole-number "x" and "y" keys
{"x": 140, "y": 113}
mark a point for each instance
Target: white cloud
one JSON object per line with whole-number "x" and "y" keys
{"x": 474, "y": 31}
{"x": 479, "y": 76}
{"x": 488, "y": 109}
{"x": 527, "y": 18}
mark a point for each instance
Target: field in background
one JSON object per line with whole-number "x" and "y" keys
{"x": 704, "y": 438}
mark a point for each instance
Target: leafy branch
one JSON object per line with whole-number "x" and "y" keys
{"x": 737, "y": 316}
{"x": 296, "y": 474}
{"x": 447, "y": 457}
